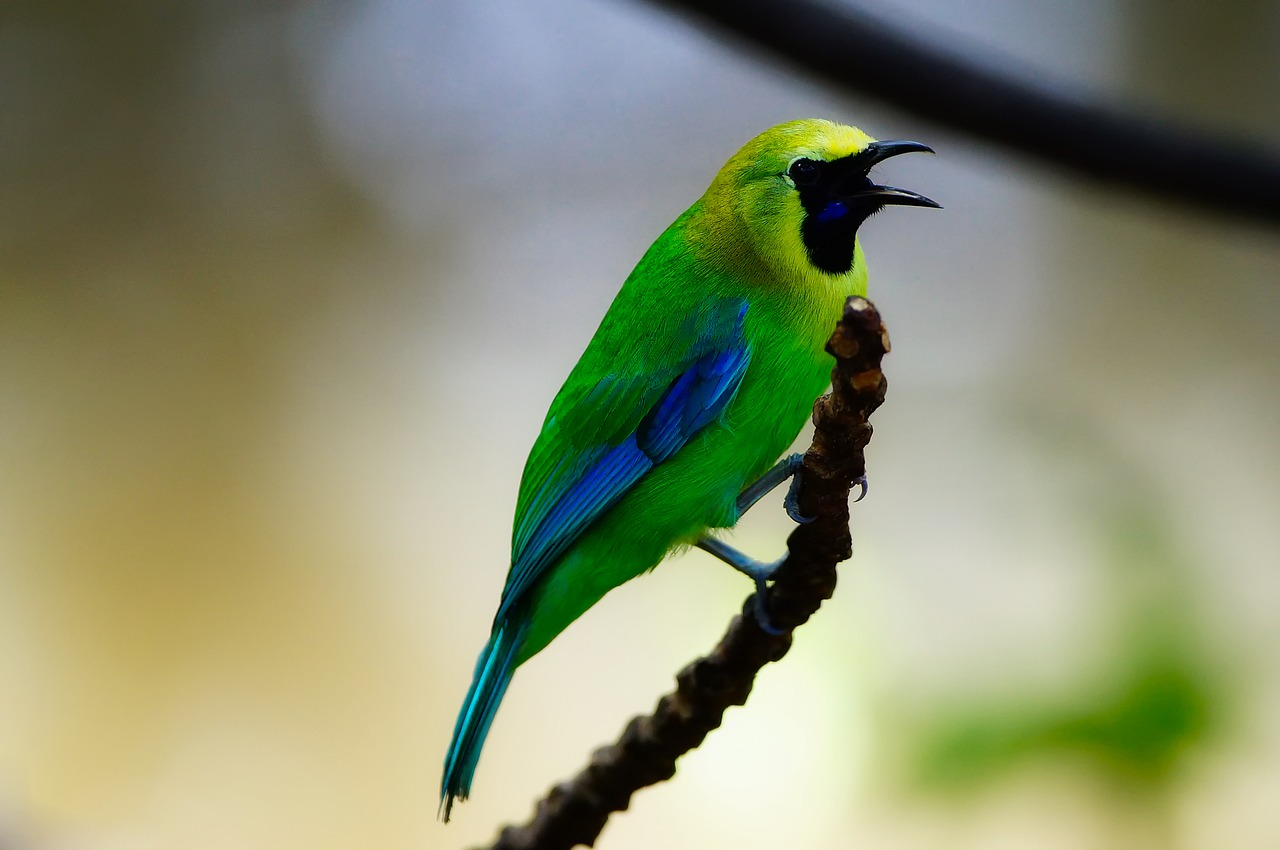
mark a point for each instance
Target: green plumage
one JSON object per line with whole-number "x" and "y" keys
{"x": 701, "y": 374}
{"x": 639, "y": 347}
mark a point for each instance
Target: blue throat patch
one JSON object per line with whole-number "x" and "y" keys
{"x": 832, "y": 211}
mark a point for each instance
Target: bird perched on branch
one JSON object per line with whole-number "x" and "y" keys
{"x": 700, "y": 376}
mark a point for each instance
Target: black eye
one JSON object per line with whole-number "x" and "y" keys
{"x": 803, "y": 172}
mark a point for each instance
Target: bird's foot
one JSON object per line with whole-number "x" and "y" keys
{"x": 785, "y": 469}
{"x": 792, "y": 502}
{"x": 763, "y": 620}
{"x": 758, "y": 571}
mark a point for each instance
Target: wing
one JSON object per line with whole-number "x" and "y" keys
{"x": 601, "y": 437}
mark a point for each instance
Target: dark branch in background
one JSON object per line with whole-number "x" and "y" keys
{"x": 860, "y": 53}
{"x": 574, "y": 812}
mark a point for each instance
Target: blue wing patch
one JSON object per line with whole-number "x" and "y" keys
{"x": 693, "y": 400}
{"x": 568, "y": 503}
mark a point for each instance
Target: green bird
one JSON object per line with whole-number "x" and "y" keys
{"x": 702, "y": 373}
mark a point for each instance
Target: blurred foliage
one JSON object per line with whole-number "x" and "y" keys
{"x": 1133, "y": 731}
{"x": 1155, "y": 694}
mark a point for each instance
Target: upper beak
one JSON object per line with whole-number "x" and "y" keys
{"x": 880, "y": 151}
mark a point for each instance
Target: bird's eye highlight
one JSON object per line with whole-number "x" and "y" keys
{"x": 803, "y": 172}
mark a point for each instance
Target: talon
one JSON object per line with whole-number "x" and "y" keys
{"x": 763, "y": 620}
{"x": 792, "y": 502}
{"x": 861, "y": 482}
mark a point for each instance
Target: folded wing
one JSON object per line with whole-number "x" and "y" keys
{"x": 602, "y": 438}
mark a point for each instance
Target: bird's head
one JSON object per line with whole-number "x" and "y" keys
{"x": 801, "y": 190}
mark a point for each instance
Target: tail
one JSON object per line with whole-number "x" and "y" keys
{"x": 488, "y": 684}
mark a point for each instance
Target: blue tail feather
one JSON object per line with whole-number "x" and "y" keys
{"x": 493, "y": 673}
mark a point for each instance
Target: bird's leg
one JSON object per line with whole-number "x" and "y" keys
{"x": 788, "y": 467}
{"x": 758, "y": 571}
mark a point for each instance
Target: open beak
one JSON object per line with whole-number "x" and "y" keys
{"x": 877, "y": 152}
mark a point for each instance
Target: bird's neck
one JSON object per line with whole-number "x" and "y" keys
{"x": 724, "y": 242}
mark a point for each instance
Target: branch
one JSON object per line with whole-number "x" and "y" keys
{"x": 575, "y": 812}
{"x": 1105, "y": 144}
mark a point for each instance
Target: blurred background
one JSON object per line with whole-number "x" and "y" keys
{"x": 286, "y": 287}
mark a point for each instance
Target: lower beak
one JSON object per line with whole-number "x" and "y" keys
{"x": 877, "y": 152}
{"x": 890, "y": 196}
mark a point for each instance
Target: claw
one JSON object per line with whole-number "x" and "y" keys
{"x": 763, "y": 620}
{"x": 792, "y": 502}
{"x": 861, "y": 482}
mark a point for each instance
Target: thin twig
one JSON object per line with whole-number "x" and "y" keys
{"x": 575, "y": 812}
{"x": 1117, "y": 146}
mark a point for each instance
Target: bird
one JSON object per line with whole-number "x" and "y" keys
{"x": 675, "y": 419}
